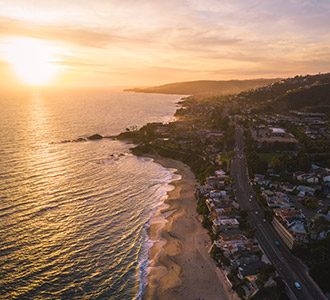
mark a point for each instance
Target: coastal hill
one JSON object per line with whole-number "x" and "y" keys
{"x": 310, "y": 99}
{"x": 310, "y": 93}
{"x": 206, "y": 87}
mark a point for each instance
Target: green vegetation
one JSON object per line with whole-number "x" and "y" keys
{"x": 215, "y": 251}
{"x": 256, "y": 165}
{"x": 238, "y": 287}
{"x": 207, "y": 223}
{"x": 311, "y": 203}
{"x": 269, "y": 156}
{"x": 202, "y": 208}
{"x": 265, "y": 272}
{"x": 230, "y": 138}
{"x": 318, "y": 96}
{"x": 276, "y": 292}
{"x": 283, "y": 87}
{"x": 316, "y": 255}
{"x": 269, "y": 215}
{"x": 321, "y": 274}
{"x": 251, "y": 232}
{"x": 244, "y": 224}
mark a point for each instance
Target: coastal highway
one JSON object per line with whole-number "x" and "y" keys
{"x": 287, "y": 265}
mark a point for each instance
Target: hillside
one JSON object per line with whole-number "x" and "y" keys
{"x": 206, "y": 87}
{"x": 279, "y": 89}
{"x": 312, "y": 99}
{"x": 310, "y": 93}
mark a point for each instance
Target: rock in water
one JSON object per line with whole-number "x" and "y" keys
{"x": 80, "y": 140}
{"x": 95, "y": 137}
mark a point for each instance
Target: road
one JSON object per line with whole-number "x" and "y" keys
{"x": 288, "y": 266}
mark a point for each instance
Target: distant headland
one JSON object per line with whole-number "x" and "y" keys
{"x": 206, "y": 87}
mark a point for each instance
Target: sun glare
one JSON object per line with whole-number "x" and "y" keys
{"x": 32, "y": 60}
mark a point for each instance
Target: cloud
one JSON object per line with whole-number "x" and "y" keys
{"x": 69, "y": 34}
{"x": 179, "y": 38}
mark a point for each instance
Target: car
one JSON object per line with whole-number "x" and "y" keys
{"x": 297, "y": 285}
{"x": 277, "y": 243}
{"x": 264, "y": 220}
{"x": 256, "y": 212}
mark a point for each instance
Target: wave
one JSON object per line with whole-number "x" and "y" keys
{"x": 161, "y": 194}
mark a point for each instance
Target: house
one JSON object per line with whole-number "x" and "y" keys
{"x": 215, "y": 181}
{"x": 299, "y": 231}
{"x": 323, "y": 175}
{"x": 233, "y": 243}
{"x": 215, "y": 194}
{"x": 204, "y": 189}
{"x": 220, "y": 224}
{"x": 306, "y": 177}
{"x": 276, "y": 132}
{"x": 305, "y": 190}
{"x": 220, "y": 173}
{"x": 244, "y": 257}
{"x": 260, "y": 179}
{"x": 251, "y": 268}
{"x": 312, "y": 179}
{"x": 299, "y": 175}
{"x": 276, "y": 199}
{"x": 287, "y": 215}
{"x": 288, "y": 187}
{"x": 222, "y": 209}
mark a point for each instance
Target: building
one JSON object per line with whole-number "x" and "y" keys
{"x": 285, "y": 235}
{"x": 233, "y": 243}
{"x": 290, "y": 228}
{"x": 221, "y": 224}
{"x": 305, "y": 190}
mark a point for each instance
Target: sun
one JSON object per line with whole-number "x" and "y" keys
{"x": 33, "y": 60}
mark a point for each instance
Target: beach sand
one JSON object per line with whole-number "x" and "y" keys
{"x": 181, "y": 267}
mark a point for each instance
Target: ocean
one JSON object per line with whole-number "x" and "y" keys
{"x": 74, "y": 215}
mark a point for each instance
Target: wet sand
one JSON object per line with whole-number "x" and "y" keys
{"x": 181, "y": 267}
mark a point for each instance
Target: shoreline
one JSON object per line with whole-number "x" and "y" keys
{"x": 180, "y": 265}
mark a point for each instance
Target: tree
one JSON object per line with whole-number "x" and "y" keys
{"x": 207, "y": 223}
{"x": 269, "y": 215}
{"x": 321, "y": 274}
{"x": 215, "y": 251}
{"x": 311, "y": 203}
{"x": 251, "y": 232}
{"x": 278, "y": 164}
{"x": 202, "y": 208}
{"x": 243, "y": 213}
{"x": 304, "y": 163}
{"x": 300, "y": 250}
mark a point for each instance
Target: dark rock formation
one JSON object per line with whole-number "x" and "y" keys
{"x": 95, "y": 137}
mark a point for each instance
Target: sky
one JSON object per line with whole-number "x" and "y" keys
{"x": 144, "y": 43}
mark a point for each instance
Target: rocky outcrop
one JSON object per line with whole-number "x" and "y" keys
{"x": 95, "y": 137}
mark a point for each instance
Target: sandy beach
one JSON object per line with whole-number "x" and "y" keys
{"x": 181, "y": 267}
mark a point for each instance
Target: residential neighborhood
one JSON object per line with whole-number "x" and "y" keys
{"x": 262, "y": 161}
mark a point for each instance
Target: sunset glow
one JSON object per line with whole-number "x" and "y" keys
{"x": 144, "y": 43}
{"x": 32, "y": 60}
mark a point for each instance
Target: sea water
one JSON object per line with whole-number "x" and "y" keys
{"x": 73, "y": 215}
